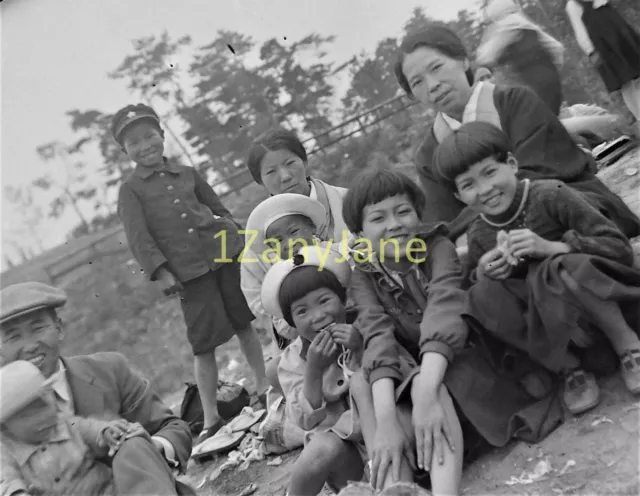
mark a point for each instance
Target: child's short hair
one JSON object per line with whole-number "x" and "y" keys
{"x": 126, "y": 116}
{"x": 271, "y": 141}
{"x": 373, "y": 186}
{"x": 470, "y": 144}
{"x": 303, "y": 281}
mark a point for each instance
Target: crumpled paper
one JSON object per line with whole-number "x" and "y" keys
{"x": 251, "y": 449}
{"x": 542, "y": 468}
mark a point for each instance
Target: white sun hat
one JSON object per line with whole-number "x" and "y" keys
{"x": 322, "y": 257}
{"x": 275, "y": 208}
{"x": 21, "y": 382}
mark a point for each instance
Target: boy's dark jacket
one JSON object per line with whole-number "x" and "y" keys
{"x": 173, "y": 217}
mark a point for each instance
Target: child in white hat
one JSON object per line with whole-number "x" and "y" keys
{"x": 276, "y": 229}
{"x": 320, "y": 371}
{"x": 44, "y": 452}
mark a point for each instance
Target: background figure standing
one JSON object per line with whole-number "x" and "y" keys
{"x": 520, "y": 53}
{"x": 612, "y": 46}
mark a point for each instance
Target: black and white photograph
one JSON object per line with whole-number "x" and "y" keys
{"x": 320, "y": 247}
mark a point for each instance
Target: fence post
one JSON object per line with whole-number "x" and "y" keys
{"x": 362, "y": 127}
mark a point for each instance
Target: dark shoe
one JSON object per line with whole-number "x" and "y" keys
{"x": 208, "y": 432}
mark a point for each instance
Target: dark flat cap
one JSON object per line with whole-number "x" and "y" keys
{"x": 130, "y": 114}
{"x": 26, "y": 297}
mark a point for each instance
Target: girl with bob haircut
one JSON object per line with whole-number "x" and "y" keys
{"x": 320, "y": 371}
{"x": 278, "y": 161}
{"x": 547, "y": 264}
{"x": 434, "y": 396}
{"x": 433, "y": 67}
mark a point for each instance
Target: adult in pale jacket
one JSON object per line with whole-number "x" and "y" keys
{"x": 278, "y": 161}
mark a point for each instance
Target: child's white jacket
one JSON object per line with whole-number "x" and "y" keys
{"x": 337, "y": 413}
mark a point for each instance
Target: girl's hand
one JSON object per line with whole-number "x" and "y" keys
{"x": 494, "y": 264}
{"x": 390, "y": 446}
{"x": 432, "y": 429}
{"x": 526, "y": 243}
{"x": 347, "y": 336}
{"x": 322, "y": 352}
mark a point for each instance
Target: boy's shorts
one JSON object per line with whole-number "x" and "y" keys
{"x": 214, "y": 308}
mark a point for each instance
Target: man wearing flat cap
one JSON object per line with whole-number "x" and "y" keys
{"x": 101, "y": 385}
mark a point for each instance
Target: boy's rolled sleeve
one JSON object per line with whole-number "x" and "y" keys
{"x": 142, "y": 245}
{"x": 442, "y": 329}
{"x": 91, "y": 431}
{"x": 380, "y": 359}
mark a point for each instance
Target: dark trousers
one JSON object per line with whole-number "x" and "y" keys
{"x": 139, "y": 468}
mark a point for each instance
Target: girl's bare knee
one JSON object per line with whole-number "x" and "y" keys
{"x": 325, "y": 445}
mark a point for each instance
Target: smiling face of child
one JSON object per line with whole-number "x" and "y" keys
{"x": 389, "y": 223}
{"x": 289, "y": 232}
{"x": 35, "y": 422}
{"x": 316, "y": 310}
{"x": 489, "y": 186}
{"x": 143, "y": 143}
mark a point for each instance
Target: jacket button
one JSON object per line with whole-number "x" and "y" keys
{"x": 176, "y": 201}
{"x": 162, "y": 174}
{"x": 340, "y": 382}
{"x": 184, "y": 216}
{"x": 190, "y": 231}
{"x": 419, "y": 311}
{"x": 169, "y": 187}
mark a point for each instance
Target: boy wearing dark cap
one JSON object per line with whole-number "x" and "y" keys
{"x": 183, "y": 236}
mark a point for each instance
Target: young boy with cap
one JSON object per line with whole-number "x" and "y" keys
{"x": 43, "y": 451}
{"x": 183, "y": 236}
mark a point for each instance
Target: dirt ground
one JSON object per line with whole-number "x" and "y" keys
{"x": 596, "y": 453}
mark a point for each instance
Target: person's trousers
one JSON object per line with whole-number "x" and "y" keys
{"x": 631, "y": 96}
{"x": 139, "y": 469}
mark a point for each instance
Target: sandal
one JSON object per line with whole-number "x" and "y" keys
{"x": 630, "y": 370}
{"x": 581, "y": 391}
{"x": 208, "y": 432}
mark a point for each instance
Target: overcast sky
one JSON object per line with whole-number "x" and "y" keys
{"x": 56, "y": 54}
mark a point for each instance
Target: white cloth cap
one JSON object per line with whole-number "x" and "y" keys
{"x": 21, "y": 382}
{"x": 277, "y": 207}
{"x": 323, "y": 257}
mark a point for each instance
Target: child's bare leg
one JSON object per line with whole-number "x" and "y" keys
{"x": 252, "y": 349}
{"x": 271, "y": 369}
{"x": 403, "y": 411}
{"x": 361, "y": 393}
{"x": 609, "y": 319}
{"x": 445, "y": 477}
{"x": 206, "y": 375}
{"x": 325, "y": 458}
{"x": 606, "y": 315}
